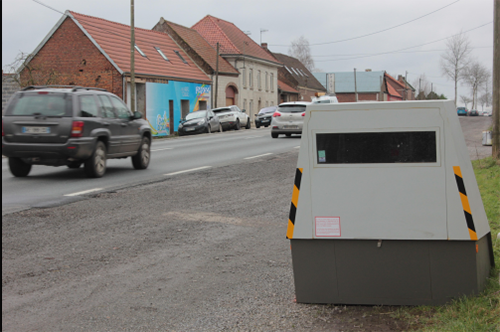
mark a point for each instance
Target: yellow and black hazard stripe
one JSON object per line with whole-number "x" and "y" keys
{"x": 465, "y": 203}
{"x": 295, "y": 201}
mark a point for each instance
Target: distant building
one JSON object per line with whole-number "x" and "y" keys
{"x": 90, "y": 51}
{"x": 9, "y": 87}
{"x": 368, "y": 85}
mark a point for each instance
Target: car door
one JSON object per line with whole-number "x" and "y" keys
{"x": 214, "y": 122}
{"x": 130, "y": 134}
{"x": 112, "y": 123}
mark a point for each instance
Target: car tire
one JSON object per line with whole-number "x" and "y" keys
{"x": 288, "y": 135}
{"x": 75, "y": 164}
{"x": 257, "y": 126}
{"x": 274, "y": 135}
{"x": 238, "y": 125}
{"x": 209, "y": 129}
{"x": 95, "y": 166}
{"x": 143, "y": 156}
{"x": 19, "y": 168}
{"x": 249, "y": 125}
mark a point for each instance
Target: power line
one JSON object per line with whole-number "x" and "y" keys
{"x": 359, "y": 54}
{"x": 404, "y": 49}
{"x": 374, "y": 33}
{"x": 41, "y": 3}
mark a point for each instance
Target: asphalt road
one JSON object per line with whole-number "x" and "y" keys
{"x": 52, "y": 186}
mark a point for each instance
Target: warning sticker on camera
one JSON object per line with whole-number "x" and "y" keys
{"x": 327, "y": 226}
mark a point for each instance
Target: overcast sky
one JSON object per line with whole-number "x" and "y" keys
{"x": 25, "y": 23}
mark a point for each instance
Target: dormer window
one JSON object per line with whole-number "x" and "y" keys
{"x": 161, "y": 53}
{"x": 180, "y": 56}
{"x": 140, "y": 51}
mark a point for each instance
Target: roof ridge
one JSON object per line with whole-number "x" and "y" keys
{"x": 113, "y": 22}
{"x": 212, "y": 18}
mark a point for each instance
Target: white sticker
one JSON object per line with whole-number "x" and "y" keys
{"x": 327, "y": 226}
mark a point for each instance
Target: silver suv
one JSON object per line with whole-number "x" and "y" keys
{"x": 288, "y": 119}
{"x": 72, "y": 126}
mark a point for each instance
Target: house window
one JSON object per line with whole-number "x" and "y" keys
{"x": 267, "y": 81}
{"x": 250, "y": 107}
{"x": 272, "y": 82}
{"x": 259, "y": 81}
{"x": 250, "y": 78}
{"x": 161, "y": 53}
{"x": 140, "y": 51}
{"x": 244, "y": 104}
{"x": 244, "y": 77}
{"x": 180, "y": 57}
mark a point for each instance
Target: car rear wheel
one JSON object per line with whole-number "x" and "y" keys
{"x": 249, "y": 125}
{"x": 95, "y": 166}
{"x": 19, "y": 168}
{"x": 143, "y": 156}
{"x": 274, "y": 135}
{"x": 75, "y": 164}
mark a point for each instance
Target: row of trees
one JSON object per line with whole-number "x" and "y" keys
{"x": 458, "y": 66}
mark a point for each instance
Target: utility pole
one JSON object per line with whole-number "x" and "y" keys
{"x": 217, "y": 77}
{"x": 355, "y": 87}
{"x": 419, "y": 86}
{"x": 132, "y": 58}
{"x": 496, "y": 81}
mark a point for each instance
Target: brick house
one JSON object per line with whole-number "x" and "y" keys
{"x": 296, "y": 75}
{"x": 257, "y": 85}
{"x": 9, "y": 87}
{"x": 90, "y": 51}
{"x": 205, "y": 56}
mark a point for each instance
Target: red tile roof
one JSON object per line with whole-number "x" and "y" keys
{"x": 393, "y": 86}
{"x": 285, "y": 87}
{"x": 114, "y": 39}
{"x": 202, "y": 48}
{"x": 231, "y": 39}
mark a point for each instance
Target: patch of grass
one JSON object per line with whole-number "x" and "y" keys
{"x": 476, "y": 313}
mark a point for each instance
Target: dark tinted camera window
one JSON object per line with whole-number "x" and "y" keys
{"x": 40, "y": 103}
{"x": 376, "y": 148}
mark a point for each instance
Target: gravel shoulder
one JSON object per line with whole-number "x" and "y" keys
{"x": 197, "y": 252}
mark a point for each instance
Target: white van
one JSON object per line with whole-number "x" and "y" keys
{"x": 325, "y": 100}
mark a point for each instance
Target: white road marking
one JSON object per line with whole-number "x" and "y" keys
{"x": 85, "y": 192}
{"x": 253, "y": 137}
{"x": 188, "y": 170}
{"x": 162, "y": 149}
{"x": 262, "y": 155}
{"x": 297, "y": 147}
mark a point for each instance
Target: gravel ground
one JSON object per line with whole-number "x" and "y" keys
{"x": 197, "y": 252}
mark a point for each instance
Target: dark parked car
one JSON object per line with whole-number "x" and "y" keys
{"x": 264, "y": 117}
{"x": 199, "y": 122}
{"x": 473, "y": 113}
{"x": 71, "y": 126}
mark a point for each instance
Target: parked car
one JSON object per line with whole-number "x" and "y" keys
{"x": 71, "y": 126}
{"x": 473, "y": 113}
{"x": 288, "y": 119}
{"x": 325, "y": 100}
{"x": 231, "y": 117}
{"x": 486, "y": 113}
{"x": 199, "y": 122}
{"x": 264, "y": 117}
{"x": 462, "y": 111}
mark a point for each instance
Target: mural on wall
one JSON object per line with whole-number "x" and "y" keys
{"x": 158, "y": 98}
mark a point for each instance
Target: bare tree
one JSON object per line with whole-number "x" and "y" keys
{"x": 301, "y": 51}
{"x": 423, "y": 86}
{"x": 27, "y": 72}
{"x": 455, "y": 58}
{"x": 476, "y": 76}
{"x": 465, "y": 100}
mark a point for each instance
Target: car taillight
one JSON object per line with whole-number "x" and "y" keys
{"x": 43, "y": 92}
{"x": 276, "y": 114}
{"x": 304, "y": 114}
{"x": 77, "y": 129}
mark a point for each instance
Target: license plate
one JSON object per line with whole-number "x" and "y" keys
{"x": 290, "y": 127}
{"x": 265, "y": 121}
{"x": 189, "y": 129}
{"x": 36, "y": 130}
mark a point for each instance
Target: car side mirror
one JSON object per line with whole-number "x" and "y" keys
{"x": 137, "y": 115}
{"x": 244, "y": 111}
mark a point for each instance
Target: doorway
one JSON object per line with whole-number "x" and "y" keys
{"x": 184, "y": 108}
{"x": 171, "y": 116}
{"x": 230, "y": 96}
{"x": 203, "y": 105}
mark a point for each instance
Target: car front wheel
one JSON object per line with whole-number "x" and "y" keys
{"x": 143, "y": 156}
{"x": 19, "y": 168}
{"x": 248, "y": 126}
{"x": 95, "y": 166}
{"x": 238, "y": 125}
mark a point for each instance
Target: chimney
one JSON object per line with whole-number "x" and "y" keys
{"x": 368, "y": 70}
{"x": 264, "y": 46}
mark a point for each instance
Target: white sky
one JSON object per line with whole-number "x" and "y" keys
{"x": 25, "y": 23}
